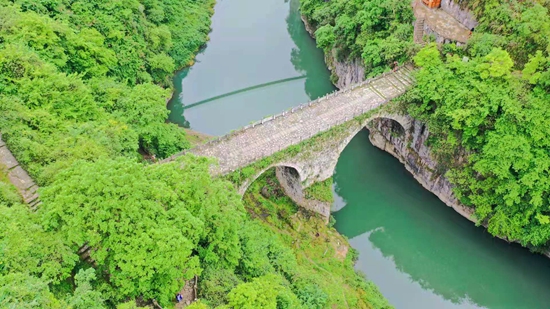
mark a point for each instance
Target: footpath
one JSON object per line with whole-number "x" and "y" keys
{"x": 27, "y": 188}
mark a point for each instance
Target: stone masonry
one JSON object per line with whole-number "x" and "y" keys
{"x": 273, "y": 134}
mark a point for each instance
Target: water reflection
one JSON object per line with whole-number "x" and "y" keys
{"x": 259, "y": 62}
{"x": 419, "y": 251}
{"x": 306, "y": 57}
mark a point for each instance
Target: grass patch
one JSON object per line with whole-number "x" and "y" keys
{"x": 320, "y": 191}
{"x": 325, "y": 259}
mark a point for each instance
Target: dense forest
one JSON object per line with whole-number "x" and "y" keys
{"x": 488, "y": 108}
{"x": 377, "y": 31}
{"x": 84, "y": 79}
{"x": 83, "y": 90}
{"x": 486, "y": 104}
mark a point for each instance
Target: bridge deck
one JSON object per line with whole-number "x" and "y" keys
{"x": 273, "y": 134}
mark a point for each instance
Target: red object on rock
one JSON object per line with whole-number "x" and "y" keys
{"x": 432, "y": 3}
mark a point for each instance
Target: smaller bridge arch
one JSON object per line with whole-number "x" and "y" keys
{"x": 336, "y": 113}
{"x": 298, "y": 168}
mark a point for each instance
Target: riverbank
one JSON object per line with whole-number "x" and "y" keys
{"x": 324, "y": 257}
{"x": 416, "y": 158}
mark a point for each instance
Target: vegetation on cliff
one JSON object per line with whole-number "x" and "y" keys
{"x": 489, "y": 117}
{"x": 486, "y": 104}
{"x": 377, "y": 31}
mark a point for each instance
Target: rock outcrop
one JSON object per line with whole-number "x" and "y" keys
{"x": 344, "y": 74}
{"x": 388, "y": 135}
{"x": 414, "y": 154}
{"x": 461, "y": 14}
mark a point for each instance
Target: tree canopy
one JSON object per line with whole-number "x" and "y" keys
{"x": 377, "y": 31}
{"x": 488, "y": 116}
{"x": 86, "y": 79}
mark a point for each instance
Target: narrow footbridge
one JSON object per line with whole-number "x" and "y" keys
{"x": 272, "y": 134}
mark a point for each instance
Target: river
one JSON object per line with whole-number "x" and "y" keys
{"x": 261, "y": 61}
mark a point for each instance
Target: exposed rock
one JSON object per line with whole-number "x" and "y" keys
{"x": 265, "y": 192}
{"x": 442, "y": 24}
{"x": 348, "y": 73}
{"x": 344, "y": 73}
{"x": 463, "y": 15}
{"x": 411, "y": 150}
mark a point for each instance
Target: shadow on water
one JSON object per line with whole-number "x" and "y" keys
{"x": 174, "y": 105}
{"x": 306, "y": 56}
{"x": 243, "y": 90}
{"x": 392, "y": 220}
{"x": 235, "y": 81}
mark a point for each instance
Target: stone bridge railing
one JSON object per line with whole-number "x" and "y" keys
{"x": 211, "y": 143}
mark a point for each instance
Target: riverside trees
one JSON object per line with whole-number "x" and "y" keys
{"x": 377, "y": 31}
{"x": 489, "y": 117}
{"x": 487, "y": 113}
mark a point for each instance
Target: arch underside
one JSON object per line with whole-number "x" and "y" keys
{"x": 318, "y": 162}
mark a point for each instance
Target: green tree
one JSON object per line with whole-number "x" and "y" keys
{"x": 145, "y": 224}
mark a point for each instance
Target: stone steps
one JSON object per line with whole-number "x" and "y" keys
{"x": 24, "y": 184}
{"x": 419, "y": 31}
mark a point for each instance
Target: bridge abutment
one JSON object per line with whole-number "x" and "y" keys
{"x": 292, "y": 186}
{"x": 317, "y": 159}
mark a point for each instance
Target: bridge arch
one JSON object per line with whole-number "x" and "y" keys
{"x": 297, "y": 173}
{"x": 404, "y": 124}
{"x": 291, "y": 178}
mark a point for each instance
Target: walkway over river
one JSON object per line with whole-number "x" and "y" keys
{"x": 270, "y": 135}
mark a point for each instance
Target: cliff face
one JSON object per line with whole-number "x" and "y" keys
{"x": 411, "y": 150}
{"x": 344, "y": 74}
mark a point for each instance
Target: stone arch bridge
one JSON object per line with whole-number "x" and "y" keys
{"x": 350, "y": 110}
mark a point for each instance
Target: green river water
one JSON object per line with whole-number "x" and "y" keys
{"x": 422, "y": 254}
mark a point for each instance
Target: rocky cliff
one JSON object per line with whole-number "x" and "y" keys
{"x": 408, "y": 147}
{"x": 411, "y": 149}
{"x": 343, "y": 73}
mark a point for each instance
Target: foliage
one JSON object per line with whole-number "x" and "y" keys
{"x": 322, "y": 276}
{"x": 215, "y": 284}
{"x": 83, "y": 79}
{"x": 520, "y": 27}
{"x": 489, "y": 128}
{"x": 145, "y": 225}
{"x": 21, "y": 290}
{"x": 321, "y": 191}
{"x": 377, "y": 31}
{"x": 260, "y": 293}
{"x": 26, "y": 247}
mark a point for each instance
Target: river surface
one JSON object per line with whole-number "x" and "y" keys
{"x": 261, "y": 61}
